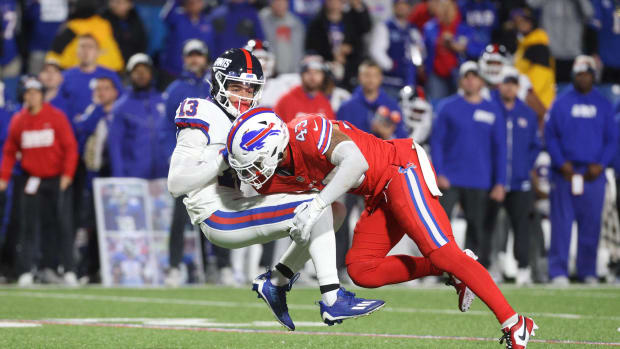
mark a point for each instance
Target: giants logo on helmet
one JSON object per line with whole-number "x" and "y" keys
{"x": 255, "y": 139}
{"x": 221, "y": 63}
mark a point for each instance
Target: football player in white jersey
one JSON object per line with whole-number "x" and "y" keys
{"x": 199, "y": 170}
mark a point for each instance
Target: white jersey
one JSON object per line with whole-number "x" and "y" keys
{"x": 203, "y": 128}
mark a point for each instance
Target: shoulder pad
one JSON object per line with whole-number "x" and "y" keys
{"x": 204, "y": 115}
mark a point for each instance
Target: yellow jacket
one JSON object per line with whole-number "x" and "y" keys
{"x": 64, "y": 47}
{"x": 533, "y": 58}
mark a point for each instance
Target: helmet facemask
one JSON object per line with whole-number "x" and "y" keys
{"x": 223, "y": 95}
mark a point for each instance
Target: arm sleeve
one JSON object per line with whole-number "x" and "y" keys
{"x": 438, "y": 134}
{"x": 194, "y": 163}
{"x": 552, "y": 138}
{"x": 536, "y": 141}
{"x": 610, "y": 139}
{"x": 10, "y": 149}
{"x": 115, "y": 144}
{"x": 378, "y": 50}
{"x": 499, "y": 149}
{"x": 350, "y": 166}
{"x": 69, "y": 146}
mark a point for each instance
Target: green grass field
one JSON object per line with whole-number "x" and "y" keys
{"x": 218, "y": 317}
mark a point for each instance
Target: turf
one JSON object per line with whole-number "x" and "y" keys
{"x": 234, "y": 318}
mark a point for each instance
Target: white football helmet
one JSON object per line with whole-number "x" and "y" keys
{"x": 256, "y": 144}
{"x": 491, "y": 62}
{"x": 415, "y": 108}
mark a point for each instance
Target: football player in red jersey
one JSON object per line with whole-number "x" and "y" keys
{"x": 399, "y": 185}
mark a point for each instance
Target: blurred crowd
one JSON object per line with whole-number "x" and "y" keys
{"x": 516, "y": 100}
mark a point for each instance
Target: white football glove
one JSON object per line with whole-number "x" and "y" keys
{"x": 306, "y": 216}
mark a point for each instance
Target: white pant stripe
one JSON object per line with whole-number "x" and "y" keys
{"x": 419, "y": 202}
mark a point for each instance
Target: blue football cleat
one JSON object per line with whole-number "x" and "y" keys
{"x": 275, "y": 297}
{"x": 348, "y": 307}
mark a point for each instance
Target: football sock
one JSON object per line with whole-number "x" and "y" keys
{"x": 388, "y": 270}
{"x": 322, "y": 247}
{"x": 451, "y": 259}
{"x": 511, "y": 321}
{"x": 329, "y": 294}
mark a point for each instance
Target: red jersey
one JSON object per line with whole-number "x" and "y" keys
{"x": 46, "y": 142}
{"x": 297, "y": 103}
{"x": 310, "y": 138}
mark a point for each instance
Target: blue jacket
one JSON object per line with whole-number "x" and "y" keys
{"x": 233, "y": 25}
{"x": 360, "y": 112}
{"x": 431, "y": 35}
{"x": 403, "y": 72}
{"x": 86, "y": 123}
{"x": 181, "y": 29}
{"x": 134, "y": 136}
{"x": 481, "y": 17}
{"x": 468, "y": 143}
{"x": 523, "y": 143}
{"x": 8, "y": 27}
{"x": 608, "y": 37}
{"x": 616, "y": 161}
{"x": 581, "y": 129}
{"x": 75, "y": 93}
{"x": 43, "y": 31}
{"x": 187, "y": 86}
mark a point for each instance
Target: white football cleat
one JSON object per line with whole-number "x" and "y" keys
{"x": 466, "y": 295}
{"x": 517, "y": 335}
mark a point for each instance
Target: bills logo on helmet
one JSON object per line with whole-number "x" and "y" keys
{"x": 255, "y": 139}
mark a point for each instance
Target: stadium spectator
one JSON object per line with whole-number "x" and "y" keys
{"x": 127, "y": 26}
{"x": 481, "y": 17}
{"x": 307, "y": 98}
{"x": 234, "y": 23}
{"x": 523, "y": 147}
{"x": 446, "y": 40}
{"x": 10, "y": 61}
{"x": 422, "y": 12}
{"x": 83, "y": 20}
{"x": 192, "y": 83}
{"x": 371, "y": 109}
{"x": 92, "y": 127}
{"x": 184, "y": 19}
{"x": 533, "y": 56}
{"x": 276, "y": 85}
{"x": 51, "y": 77}
{"x": 43, "y": 136}
{"x": 581, "y": 137}
{"x": 564, "y": 23}
{"x": 468, "y": 146}
{"x": 75, "y": 92}
{"x": 417, "y": 113}
{"x": 307, "y": 10}
{"x": 398, "y": 48}
{"x": 336, "y": 95}
{"x": 337, "y": 36}
{"x": 134, "y": 139}
{"x": 285, "y": 34}
{"x": 608, "y": 36}
{"x": 380, "y": 11}
{"x": 44, "y": 18}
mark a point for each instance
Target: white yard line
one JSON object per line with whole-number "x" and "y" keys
{"x": 225, "y": 304}
{"x": 308, "y": 333}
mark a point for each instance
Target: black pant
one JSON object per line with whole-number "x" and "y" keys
{"x": 519, "y": 205}
{"x": 474, "y": 203}
{"x": 47, "y": 212}
{"x": 177, "y": 232}
{"x": 563, "y": 70}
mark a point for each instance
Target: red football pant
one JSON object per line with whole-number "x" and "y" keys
{"x": 409, "y": 208}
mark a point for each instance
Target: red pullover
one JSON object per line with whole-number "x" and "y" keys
{"x": 46, "y": 142}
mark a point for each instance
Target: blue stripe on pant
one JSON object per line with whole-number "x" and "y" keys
{"x": 587, "y": 210}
